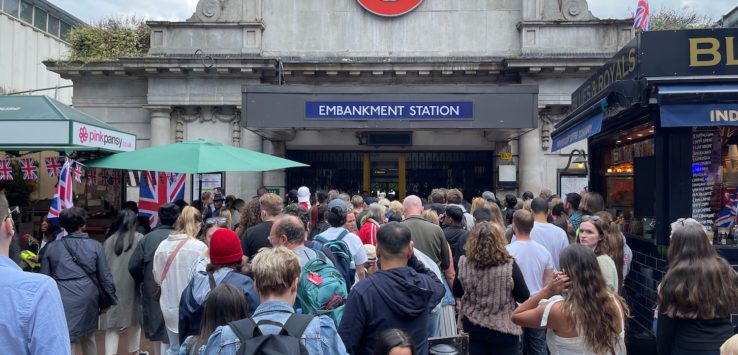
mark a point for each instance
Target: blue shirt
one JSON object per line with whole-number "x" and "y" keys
{"x": 320, "y": 337}
{"x": 32, "y": 318}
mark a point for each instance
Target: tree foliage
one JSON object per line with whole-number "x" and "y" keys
{"x": 109, "y": 39}
{"x": 666, "y": 19}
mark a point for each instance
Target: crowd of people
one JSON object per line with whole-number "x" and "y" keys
{"x": 332, "y": 273}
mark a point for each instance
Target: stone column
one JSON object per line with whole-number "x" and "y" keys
{"x": 531, "y": 162}
{"x": 275, "y": 178}
{"x": 161, "y": 125}
{"x": 251, "y": 181}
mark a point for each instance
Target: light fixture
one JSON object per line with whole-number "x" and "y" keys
{"x": 580, "y": 160}
{"x": 630, "y": 138}
{"x": 640, "y": 135}
{"x": 619, "y": 141}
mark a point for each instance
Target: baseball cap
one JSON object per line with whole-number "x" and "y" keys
{"x": 337, "y": 202}
{"x": 371, "y": 252}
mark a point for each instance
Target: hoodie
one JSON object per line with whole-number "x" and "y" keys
{"x": 397, "y": 298}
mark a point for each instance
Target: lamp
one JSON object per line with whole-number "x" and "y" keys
{"x": 580, "y": 160}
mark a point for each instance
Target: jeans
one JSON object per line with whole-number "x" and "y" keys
{"x": 173, "y": 343}
{"x": 534, "y": 341}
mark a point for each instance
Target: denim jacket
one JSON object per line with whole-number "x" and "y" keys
{"x": 320, "y": 337}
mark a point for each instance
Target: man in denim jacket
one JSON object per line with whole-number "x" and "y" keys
{"x": 276, "y": 272}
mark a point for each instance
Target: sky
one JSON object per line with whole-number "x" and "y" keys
{"x": 179, "y": 10}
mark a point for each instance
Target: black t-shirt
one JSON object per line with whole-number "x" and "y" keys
{"x": 256, "y": 237}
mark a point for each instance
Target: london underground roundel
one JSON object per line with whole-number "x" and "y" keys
{"x": 390, "y": 7}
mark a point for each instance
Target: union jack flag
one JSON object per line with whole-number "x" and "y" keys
{"x": 77, "y": 170}
{"x": 6, "y": 169}
{"x": 29, "y": 169}
{"x": 157, "y": 189}
{"x": 727, "y": 215}
{"x": 63, "y": 195}
{"x": 53, "y": 165}
{"x": 642, "y": 16}
{"x": 91, "y": 177}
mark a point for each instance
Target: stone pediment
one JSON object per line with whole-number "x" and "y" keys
{"x": 227, "y": 11}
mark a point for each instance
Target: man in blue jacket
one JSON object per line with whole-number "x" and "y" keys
{"x": 400, "y": 295}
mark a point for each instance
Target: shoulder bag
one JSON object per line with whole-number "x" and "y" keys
{"x": 105, "y": 301}
{"x": 156, "y": 292}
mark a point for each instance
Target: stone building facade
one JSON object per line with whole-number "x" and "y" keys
{"x": 192, "y": 84}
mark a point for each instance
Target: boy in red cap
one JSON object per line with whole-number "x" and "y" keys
{"x": 226, "y": 261}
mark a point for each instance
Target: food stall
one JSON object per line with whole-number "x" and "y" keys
{"x": 661, "y": 122}
{"x": 37, "y": 136}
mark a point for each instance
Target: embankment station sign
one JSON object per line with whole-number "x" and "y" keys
{"x": 389, "y": 106}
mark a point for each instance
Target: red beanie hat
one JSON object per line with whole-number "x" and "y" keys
{"x": 225, "y": 247}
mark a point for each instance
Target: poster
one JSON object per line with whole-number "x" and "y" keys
{"x": 572, "y": 183}
{"x": 209, "y": 182}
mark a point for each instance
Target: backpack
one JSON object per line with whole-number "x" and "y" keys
{"x": 287, "y": 341}
{"x": 341, "y": 254}
{"x": 322, "y": 289}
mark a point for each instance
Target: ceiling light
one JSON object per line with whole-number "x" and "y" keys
{"x": 619, "y": 142}
{"x": 640, "y": 134}
{"x": 630, "y": 138}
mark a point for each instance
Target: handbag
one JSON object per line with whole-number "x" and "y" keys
{"x": 156, "y": 292}
{"x": 105, "y": 301}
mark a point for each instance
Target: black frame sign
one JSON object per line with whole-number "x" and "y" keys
{"x": 689, "y": 52}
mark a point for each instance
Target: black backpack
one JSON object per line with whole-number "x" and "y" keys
{"x": 287, "y": 341}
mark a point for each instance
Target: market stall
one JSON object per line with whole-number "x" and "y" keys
{"x": 37, "y": 136}
{"x": 660, "y": 119}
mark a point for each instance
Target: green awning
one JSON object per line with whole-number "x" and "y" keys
{"x": 35, "y": 123}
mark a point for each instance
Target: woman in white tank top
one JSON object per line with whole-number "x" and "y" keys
{"x": 588, "y": 319}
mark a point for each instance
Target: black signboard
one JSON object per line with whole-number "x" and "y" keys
{"x": 624, "y": 65}
{"x": 689, "y": 52}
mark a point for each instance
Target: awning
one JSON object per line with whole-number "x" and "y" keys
{"x": 576, "y": 133}
{"x": 699, "y": 115}
{"x": 35, "y": 123}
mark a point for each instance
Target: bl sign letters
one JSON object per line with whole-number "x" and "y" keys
{"x": 710, "y": 51}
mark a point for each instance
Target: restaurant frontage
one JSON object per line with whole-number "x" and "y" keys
{"x": 661, "y": 124}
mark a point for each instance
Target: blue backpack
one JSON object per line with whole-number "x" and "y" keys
{"x": 343, "y": 259}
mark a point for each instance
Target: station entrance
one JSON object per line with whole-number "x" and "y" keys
{"x": 395, "y": 173}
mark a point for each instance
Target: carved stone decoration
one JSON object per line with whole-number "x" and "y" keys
{"x": 549, "y": 117}
{"x": 225, "y": 114}
{"x": 208, "y": 11}
{"x": 576, "y": 10}
{"x": 183, "y": 115}
{"x": 236, "y": 128}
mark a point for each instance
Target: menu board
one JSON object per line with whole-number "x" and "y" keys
{"x": 705, "y": 172}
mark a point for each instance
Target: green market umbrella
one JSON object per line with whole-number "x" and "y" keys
{"x": 194, "y": 157}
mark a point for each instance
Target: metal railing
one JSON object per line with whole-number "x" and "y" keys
{"x": 29, "y": 92}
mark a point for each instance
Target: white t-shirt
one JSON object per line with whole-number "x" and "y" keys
{"x": 532, "y": 259}
{"x": 352, "y": 240}
{"x": 551, "y": 237}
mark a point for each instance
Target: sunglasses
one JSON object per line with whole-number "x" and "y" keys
{"x": 586, "y": 218}
{"x": 215, "y": 220}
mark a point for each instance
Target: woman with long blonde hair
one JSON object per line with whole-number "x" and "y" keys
{"x": 581, "y": 315}
{"x": 173, "y": 268}
{"x": 489, "y": 283}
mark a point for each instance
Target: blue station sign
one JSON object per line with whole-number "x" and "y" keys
{"x": 582, "y": 130}
{"x": 388, "y": 110}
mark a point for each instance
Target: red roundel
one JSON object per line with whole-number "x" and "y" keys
{"x": 390, "y": 7}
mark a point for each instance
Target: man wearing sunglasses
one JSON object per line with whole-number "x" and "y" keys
{"x": 32, "y": 319}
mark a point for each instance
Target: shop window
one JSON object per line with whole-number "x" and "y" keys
{"x": 625, "y": 164}
{"x": 64, "y": 29}
{"x": 11, "y": 7}
{"x": 26, "y": 12}
{"x": 39, "y": 19}
{"x": 54, "y": 26}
